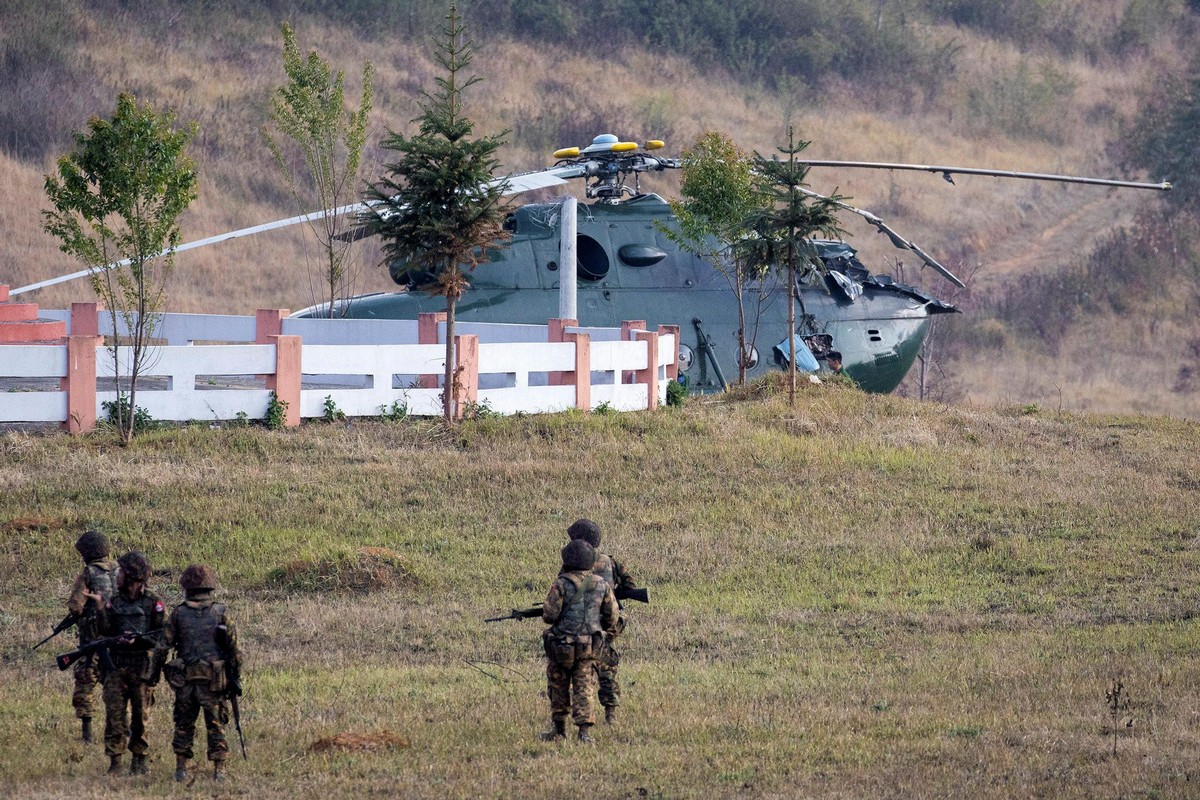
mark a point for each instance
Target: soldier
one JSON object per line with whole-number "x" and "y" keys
{"x": 93, "y": 587}
{"x": 615, "y": 574}
{"x": 582, "y": 612}
{"x": 136, "y": 615}
{"x": 205, "y": 671}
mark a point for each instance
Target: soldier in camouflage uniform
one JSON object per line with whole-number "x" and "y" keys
{"x": 205, "y": 671}
{"x": 618, "y": 577}
{"x": 93, "y": 587}
{"x": 582, "y": 612}
{"x": 136, "y": 615}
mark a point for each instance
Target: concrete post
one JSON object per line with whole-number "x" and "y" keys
{"x": 85, "y": 319}
{"x": 649, "y": 375}
{"x": 466, "y": 373}
{"x": 556, "y": 332}
{"x": 427, "y": 333}
{"x": 582, "y": 375}
{"x": 286, "y": 380}
{"x": 627, "y": 329}
{"x": 673, "y": 367}
{"x": 80, "y": 383}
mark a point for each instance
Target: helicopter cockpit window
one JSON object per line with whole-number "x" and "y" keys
{"x": 593, "y": 261}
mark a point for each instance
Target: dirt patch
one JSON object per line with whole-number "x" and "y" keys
{"x": 363, "y": 570}
{"x": 348, "y": 741}
{"x": 31, "y": 525}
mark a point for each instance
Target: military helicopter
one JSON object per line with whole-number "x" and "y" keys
{"x": 868, "y": 326}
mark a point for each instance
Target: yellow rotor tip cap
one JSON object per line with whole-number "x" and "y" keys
{"x": 655, "y": 144}
{"x": 567, "y": 152}
{"x": 624, "y": 147}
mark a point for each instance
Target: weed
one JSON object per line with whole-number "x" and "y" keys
{"x": 142, "y": 421}
{"x": 398, "y": 412}
{"x": 604, "y": 409}
{"x": 276, "y": 413}
{"x": 1118, "y": 703}
{"x": 480, "y": 411}
{"x": 677, "y": 394}
{"x": 331, "y": 412}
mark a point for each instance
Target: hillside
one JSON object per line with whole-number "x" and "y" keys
{"x": 861, "y": 596}
{"x": 976, "y": 93}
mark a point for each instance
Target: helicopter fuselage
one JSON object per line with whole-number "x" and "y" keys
{"x": 628, "y": 269}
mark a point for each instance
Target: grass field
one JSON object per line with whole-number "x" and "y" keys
{"x": 860, "y": 596}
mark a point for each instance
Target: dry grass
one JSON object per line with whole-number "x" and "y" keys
{"x": 1008, "y": 228}
{"x": 860, "y": 596}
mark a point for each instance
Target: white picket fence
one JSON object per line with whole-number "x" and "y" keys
{"x": 209, "y": 369}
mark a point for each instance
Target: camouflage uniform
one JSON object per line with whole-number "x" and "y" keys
{"x": 207, "y": 656}
{"x": 618, "y": 577}
{"x": 98, "y": 576}
{"x": 582, "y": 611}
{"x": 129, "y": 687}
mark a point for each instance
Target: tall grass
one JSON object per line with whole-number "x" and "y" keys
{"x": 858, "y": 596}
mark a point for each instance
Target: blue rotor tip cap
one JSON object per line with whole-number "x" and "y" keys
{"x": 605, "y": 138}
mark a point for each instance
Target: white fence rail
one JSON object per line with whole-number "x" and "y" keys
{"x": 210, "y": 369}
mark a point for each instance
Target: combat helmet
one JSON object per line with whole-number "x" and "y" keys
{"x": 586, "y": 530}
{"x": 198, "y": 577}
{"x": 135, "y": 566}
{"x": 92, "y": 545}
{"x": 578, "y": 554}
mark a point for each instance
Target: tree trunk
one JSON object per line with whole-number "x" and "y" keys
{"x": 449, "y": 389}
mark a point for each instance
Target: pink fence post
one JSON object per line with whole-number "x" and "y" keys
{"x": 80, "y": 383}
{"x": 466, "y": 373}
{"x": 673, "y": 367}
{"x": 3, "y": 292}
{"x": 556, "y": 332}
{"x": 583, "y": 370}
{"x": 427, "y": 333}
{"x": 268, "y": 322}
{"x": 627, "y": 329}
{"x": 286, "y": 380}
{"x": 649, "y": 375}
{"x": 85, "y": 319}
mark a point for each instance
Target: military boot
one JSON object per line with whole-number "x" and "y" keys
{"x": 610, "y": 715}
{"x": 219, "y": 770}
{"x": 137, "y": 765}
{"x": 180, "y": 769}
{"x": 114, "y": 765}
{"x": 585, "y": 735}
{"x": 85, "y": 729}
{"x": 557, "y": 731}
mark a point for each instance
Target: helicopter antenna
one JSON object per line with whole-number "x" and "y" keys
{"x": 896, "y": 239}
{"x": 948, "y": 172}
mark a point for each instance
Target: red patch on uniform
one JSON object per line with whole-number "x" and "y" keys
{"x": 158, "y": 606}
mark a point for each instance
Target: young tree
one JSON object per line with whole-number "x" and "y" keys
{"x": 438, "y": 210}
{"x": 310, "y": 110}
{"x": 117, "y": 200}
{"x": 719, "y": 194}
{"x": 783, "y": 229}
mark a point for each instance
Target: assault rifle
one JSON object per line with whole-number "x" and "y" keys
{"x": 233, "y": 677}
{"x": 101, "y": 647}
{"x": 65, "y": 624}
{"x": 640, "y": 595}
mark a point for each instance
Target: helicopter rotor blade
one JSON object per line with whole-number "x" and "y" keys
{"x": 515, "y": 184}
{"x": 899, "y": 241}
{"x": 947, "y": 172}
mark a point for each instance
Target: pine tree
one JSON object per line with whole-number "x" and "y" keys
{"x": 437, "y": 209}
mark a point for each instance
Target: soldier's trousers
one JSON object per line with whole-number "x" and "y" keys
{"x": 125, "y": 691}
{"x": 189, "y": 702}
{"x": 572, "y": 691}
{"x": 606, "y": 671}
{"x": 87, "y": 676}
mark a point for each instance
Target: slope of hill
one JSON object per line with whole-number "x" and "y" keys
{"x": 999, "y": 100}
